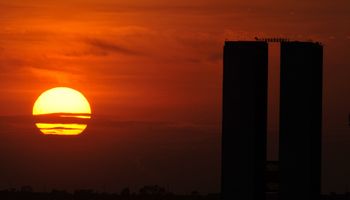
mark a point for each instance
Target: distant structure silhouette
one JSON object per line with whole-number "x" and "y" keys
{"x": 246, "y": 175}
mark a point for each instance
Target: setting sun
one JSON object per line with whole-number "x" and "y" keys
{"x": 61, "y": 111}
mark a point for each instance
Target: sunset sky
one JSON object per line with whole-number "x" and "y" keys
{"x": 152, "y": 72}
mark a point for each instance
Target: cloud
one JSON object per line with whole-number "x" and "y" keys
{"x": 10, "y": 64}
{"x": 111, "y": 47}
{"x": 88, "y": 52}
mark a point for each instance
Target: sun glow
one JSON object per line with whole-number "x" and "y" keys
{"x": 61, "y": 111}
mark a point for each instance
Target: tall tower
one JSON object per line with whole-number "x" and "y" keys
{"x": 244, "y": 120}
{"x": 300, "y": 120}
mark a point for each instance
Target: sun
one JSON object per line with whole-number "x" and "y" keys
{"x": 61, "y": 111}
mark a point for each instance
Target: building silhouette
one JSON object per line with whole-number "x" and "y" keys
{"x": 300, "y": 120}
{"x": 245, "y": 121}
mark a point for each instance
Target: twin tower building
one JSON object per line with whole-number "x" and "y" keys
{"x": 244, "y": 127}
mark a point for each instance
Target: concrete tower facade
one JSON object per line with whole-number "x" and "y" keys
{"x": 244, "y": 120}
{"x": 300, "y": 120}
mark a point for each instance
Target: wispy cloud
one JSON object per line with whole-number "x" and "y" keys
{"x": 111, "y": 47}
{"x": 87, "y": 52}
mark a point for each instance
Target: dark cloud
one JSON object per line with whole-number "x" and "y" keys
{"x": 88, "y": 52}
{"x": 111, "y": 47}
{"x": 165, "y": 9}
{"x": 13, "y": 65}
{"x": 10, "y": 64}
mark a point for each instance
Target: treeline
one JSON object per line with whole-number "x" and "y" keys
{"x": 153, "y": 192}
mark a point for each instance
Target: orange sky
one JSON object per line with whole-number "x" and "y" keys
{"x": 159, "y": 57}
{"x": 161, "y": 60}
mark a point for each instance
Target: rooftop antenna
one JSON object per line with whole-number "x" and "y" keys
{"x": 272, "y": 39}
